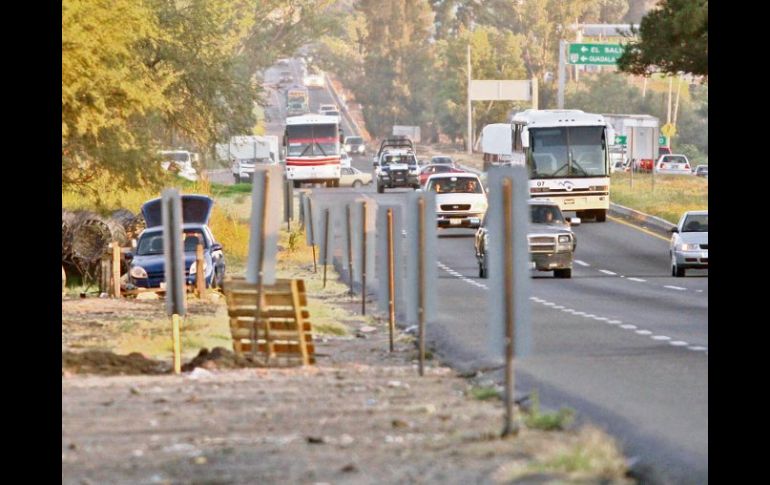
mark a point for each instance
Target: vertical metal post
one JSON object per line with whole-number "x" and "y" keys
{"x": 670, "y": 88}
{"x": 421, "y": 281}
{"x": 260, "y": 287}
{"x": 509, "y": 428}
{"x": 654, "y": 161}
{"x": 469, "y": 141}
{"x": 562, "y": 68}
{"x": 391, "y": 281}
{"x": 350, "y": 246}
{"x": 200, "y": 275}
{"x": 326, "y": 242}
{"x": 363, "y": 258}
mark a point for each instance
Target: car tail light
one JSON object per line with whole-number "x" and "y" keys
{"x": 661, "y": 165}
{"x": 687, "y": 166}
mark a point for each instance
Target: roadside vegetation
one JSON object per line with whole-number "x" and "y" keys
{"x": 672, "y": 197}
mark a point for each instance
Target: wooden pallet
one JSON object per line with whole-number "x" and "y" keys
{"x": 284, "y": 311}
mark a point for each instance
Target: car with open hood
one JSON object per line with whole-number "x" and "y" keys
{"x": 147, "y": 261}
{"x": 551, "y": 241}
{"x": 461, "y": 200}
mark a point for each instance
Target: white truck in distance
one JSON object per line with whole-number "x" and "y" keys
{"x": 496, "y": 144}
{"x": 244, "y": 152}
{"x": 641, "y": 132}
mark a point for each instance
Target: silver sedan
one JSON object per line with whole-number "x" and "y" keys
{"x": 690, "y": 243}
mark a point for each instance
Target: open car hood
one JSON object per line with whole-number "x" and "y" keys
{"x": 195, "y": 209}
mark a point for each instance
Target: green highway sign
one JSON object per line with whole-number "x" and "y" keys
{"x": 601, "y": 54}
{"x": 621, "y": 140}
{"x": 663, "y": 140}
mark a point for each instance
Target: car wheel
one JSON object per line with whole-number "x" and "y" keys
{"x": 562, "y": 273}
{"x": 237, "y": 179}
{"x": 296, "y": 184}
{"x": 483, "y": 272}
{"x": 380, "y": 189}
{"x": 676, "y": 271}
{"x": 357, "y": 184}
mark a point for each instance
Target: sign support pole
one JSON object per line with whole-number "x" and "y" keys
{"x": 562, "y": 68}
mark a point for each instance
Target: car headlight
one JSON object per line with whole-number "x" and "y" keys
{"x": 479, "y": 207}
{"x": 361, "y": 149}
{"x": 688, "y": 247}
{"x": 138, "y": 272}
{"x": 414, "y": 171}
{"x": 347, "y": 148}
{"x": 563, "y": 239}
{"x": 194, "y": 267}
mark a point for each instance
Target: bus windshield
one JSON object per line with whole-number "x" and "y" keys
{"x": 576, "y": 151}
{"x": 312, "y": 140}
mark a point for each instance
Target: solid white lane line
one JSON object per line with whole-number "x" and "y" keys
{"x": 606, "y": 271}
{"x": 660, "y": 337}
{"x": 644, "y": 332}
{"x": 675, "y": 288}
{"x": 637, "y": 279}
{"x": 582, "y": 263}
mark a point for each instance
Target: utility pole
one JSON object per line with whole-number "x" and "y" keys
{"x": 469, "y": 140}
{"x": 562, "y": 49}
{"x": 670, "y": 86}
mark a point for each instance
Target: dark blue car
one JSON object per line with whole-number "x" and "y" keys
{"x": 146, "y": 268}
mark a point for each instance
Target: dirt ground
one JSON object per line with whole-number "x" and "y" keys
{"x": 362, "y": 415}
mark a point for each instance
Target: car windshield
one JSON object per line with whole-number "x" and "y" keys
{"x": 354, "y": 140}
{"x": 176, "y": 157}
{"x": 455, "y": 185}
{"x": 567, "y": 152}
{"x": 437, "y": 169}
{"x": 152, "y": 243}
{"x": 546, "y": 214}
{"x": 696, "y": 223}
{"x": 441, "y": 160}
{"x": 396, "y": 159}
{"x": 675, "y": 159}
{"x": 312, "y": 140}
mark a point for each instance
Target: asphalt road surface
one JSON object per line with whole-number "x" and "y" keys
{"x": 622, "y": 342}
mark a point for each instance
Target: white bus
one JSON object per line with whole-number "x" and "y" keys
{"x": 313, "y": 149}
{"x": 565, "y": 152}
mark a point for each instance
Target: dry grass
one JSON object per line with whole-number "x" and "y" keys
{"x": 673, "y": 194}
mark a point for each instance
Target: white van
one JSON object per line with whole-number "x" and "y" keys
{"x": 179, "y": 162}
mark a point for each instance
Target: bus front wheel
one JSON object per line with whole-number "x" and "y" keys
{"x": 601, "y": 215}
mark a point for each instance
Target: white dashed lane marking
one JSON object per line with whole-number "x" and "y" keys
{"x": 582, "y": 263}
{"x": 679, "y": 288}
{"x": 675, "y": 343}
{"x": 606, "y": 271}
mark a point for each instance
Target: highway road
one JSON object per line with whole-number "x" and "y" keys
{"x": 622, "y": 342}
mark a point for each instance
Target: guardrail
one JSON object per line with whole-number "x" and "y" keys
{"x": 645, "y": 220}
{"x": 343, "y": 106}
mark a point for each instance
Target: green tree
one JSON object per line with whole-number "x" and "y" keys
{"x": 108, "y": 87}
{"x": 672, "y": 38}
{"x": 494, "y": 55}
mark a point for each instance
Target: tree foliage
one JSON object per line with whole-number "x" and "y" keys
{"x": 139, "y": 75}
{"x": 672, "y": 38}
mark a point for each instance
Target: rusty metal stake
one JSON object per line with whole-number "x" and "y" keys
{"x": 391, "y": 281}
{"x": 309, "y": 215}
{"x": 509, "y": 428}
{"x": 363, "y": 258}
{"x": 326, "y": 242}
{"x": 421, "y": 280}
{"x": 350, "y": 247}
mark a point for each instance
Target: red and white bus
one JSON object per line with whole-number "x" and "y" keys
{"x": 312, "y": 145}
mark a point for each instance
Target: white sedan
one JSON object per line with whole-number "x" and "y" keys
{"x": 673, "y": 164}
{"x": 352, "y": 177}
